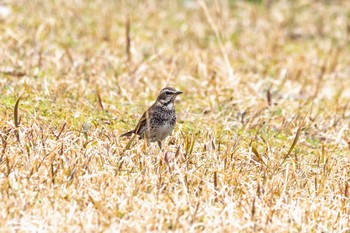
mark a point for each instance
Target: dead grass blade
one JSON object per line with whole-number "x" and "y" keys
{"x": 258, "y": 156}
{"x": 13, "y": 73}
{"x": 99, "y": 99}
{"x": 62, "y": 128}
{"x": 127, "y": 37}
{"x": 177, "y": 151}
{"x": 132, "y": 139}
{"x": 296, "y": 138}
{"x": 72, "y": 174}
{"x": 189, "y": 144}
{"x": 69, "y": 55}
{"x": 216, "y": 180}
{"x": 253, "y": 209}
{"x": 268, "y": 97}
{"x": 86, "y": 129}
{"x": 4, "y": 146}
{"x": 17, "y": 119}
{"x": 346, "y": 190}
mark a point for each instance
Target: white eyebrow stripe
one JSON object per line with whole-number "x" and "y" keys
{"x": 168, "y": 90}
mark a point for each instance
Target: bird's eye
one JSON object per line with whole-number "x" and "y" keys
{"x": 168, "y": 93}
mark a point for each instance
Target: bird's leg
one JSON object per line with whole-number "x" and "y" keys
{"x": 146, "y": 139}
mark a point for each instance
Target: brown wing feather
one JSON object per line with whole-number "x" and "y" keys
{"x": 127, "y": 133}
{"x": 142, "y": 123}
{"x": 144, "y": 120}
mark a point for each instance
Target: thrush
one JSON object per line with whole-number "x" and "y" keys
{"x": 158, "y": 122}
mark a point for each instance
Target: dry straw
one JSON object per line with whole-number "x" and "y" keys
{"x": 262, "y": 140}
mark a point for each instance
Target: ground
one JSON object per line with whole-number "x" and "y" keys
{"x": 262, "y": 138}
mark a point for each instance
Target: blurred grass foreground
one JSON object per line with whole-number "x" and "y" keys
{"x": 262, "y": 139}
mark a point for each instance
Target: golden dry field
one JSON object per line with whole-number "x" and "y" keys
{"x": 262, "y": 141}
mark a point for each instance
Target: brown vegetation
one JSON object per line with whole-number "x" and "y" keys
{"x": 262, "y": 141}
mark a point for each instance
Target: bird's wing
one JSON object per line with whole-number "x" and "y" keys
{"x": 143, "y": 122}
{"x": 142, "y": 125}
{"x": 127, "y": 133}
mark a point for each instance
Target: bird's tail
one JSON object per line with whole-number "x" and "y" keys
{"x": 127, "y": 133}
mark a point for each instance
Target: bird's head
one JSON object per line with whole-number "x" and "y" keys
{"x": 167, "y": 95}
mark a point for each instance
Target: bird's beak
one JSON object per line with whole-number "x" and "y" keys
{"x": 178, "y": 92}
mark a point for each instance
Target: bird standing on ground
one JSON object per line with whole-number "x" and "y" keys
{"x": 158, "y": 122}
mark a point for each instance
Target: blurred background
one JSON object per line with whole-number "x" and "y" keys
{"x": 264, "y": 113}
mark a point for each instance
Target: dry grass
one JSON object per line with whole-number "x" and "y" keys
{"x": 263, "y": 134}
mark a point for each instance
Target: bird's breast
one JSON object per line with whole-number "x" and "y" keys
{"x": 164, "y": 130}
{"x": 163, "y": 122}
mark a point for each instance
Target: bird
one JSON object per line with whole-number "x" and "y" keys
{"x": 158, "y": 122}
